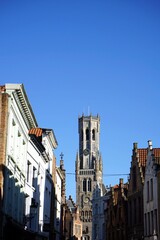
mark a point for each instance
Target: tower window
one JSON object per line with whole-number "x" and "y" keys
{"x": 93, "y": 134}
{"x": 84, "y": 185}
{"x": 87, "y": 134}
{"x": 89, "y": 185}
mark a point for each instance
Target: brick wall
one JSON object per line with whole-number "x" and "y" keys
{"x": 3, "y": 137}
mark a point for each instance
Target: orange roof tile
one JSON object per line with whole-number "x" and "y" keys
{"x": 156, "y": 152}
{"x": 142, "y": 156}
{"x": 116, "y": 186}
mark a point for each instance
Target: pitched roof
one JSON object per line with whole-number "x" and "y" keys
{"x": 71, "y": 205}
{"x": 156, "y": 152}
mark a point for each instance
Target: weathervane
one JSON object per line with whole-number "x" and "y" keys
{"x": 61, "y": 155}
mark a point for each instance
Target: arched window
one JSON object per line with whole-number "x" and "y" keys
{"x": 84, "y": 185}
{"x": 89, "y": 185}
{"x": 87, "y": 134}
{"x": 86, "y": 214}
{"x": 93, "y": 134}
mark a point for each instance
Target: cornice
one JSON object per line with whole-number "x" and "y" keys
{"x": 25, "y": 107}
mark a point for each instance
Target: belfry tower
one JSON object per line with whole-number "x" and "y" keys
{"x": 88, "y": 169}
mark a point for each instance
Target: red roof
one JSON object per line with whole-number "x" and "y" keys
{"x": 156, "y": 152}
{"x": 142, "y": 156}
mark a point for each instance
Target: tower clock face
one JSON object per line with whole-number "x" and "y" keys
{"x": 86, "y": 152}
{"x": 86, "y": 198}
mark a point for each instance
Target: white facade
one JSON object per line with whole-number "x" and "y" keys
{"x": 20, "y": 119}
{"x": 98, "y": 207}
{"x": 150, "y": 197}
{"x": 58, "y": 202}
{"x": 39, "y": 180}
{"x": 28, "y": 166}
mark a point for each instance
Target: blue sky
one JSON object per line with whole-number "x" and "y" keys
{"x": 99, "y": 57}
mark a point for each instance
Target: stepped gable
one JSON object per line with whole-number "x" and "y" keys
{"x": 71, "y": 205}
{"x": 140, "y": 155}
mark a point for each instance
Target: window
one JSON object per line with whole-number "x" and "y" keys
{"x": 152, "y": 223}
{"x": 34, "y": 177}
{"x": 84, "y": 185}
{"x": 28, "y": 170}
{"x": 156, "y": 222}
{"x": 147, "y": 191}
{"x": 90, "y": 215}
{"x": 87, "y": 134}
{"x": 148, "y": 223}
{"x": 93, "y": 134}
{"x": 145, "y": 222}
{"x": 89, "y": 185}
{"x": 86, "y": 214}
{"x": 151, "y": 187}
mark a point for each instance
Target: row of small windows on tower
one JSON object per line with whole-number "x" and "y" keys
{"x": 86, "y": 213}
{"x": 86, "y": 172}
{"x": 86, "y": 216}
{"x": 87, "y": 185}
{"x": 87, "y": 135}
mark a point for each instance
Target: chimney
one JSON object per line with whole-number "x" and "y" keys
{"x": 150, "y": 144}
{"x": 135, "y": 145}
{"x": 135, "y": 148}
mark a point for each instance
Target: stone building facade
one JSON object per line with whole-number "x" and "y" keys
{"x": 116, "y": 212}
{"x": 27, "y": 170}
{"x": 88, "y": 169}
{"x": 73, "y": 224}
{"x": 150, "y": 194}
{"x": 16, "y": 118}
{"x": 135, "y": 193}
